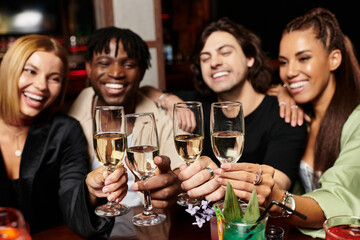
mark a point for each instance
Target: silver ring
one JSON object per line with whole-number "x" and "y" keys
{"x": 282, "y": 103}
{"x": 210, "y": 171}
{"x": 294, "y": 106}
{"x": 258, "y": 177}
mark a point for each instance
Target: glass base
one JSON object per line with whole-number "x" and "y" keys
{"x": 148, "y": 220}
{"x": 184, "y": 200}
{"x": 111, "y": 209}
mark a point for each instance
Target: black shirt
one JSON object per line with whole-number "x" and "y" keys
{"x": 51, "y": 188}
{"x": 268, "y": 139}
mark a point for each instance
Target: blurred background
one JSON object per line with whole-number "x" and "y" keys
{"x": 169, "y": 27}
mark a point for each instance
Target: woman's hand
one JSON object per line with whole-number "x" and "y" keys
{"x": 244, "y": 177}
{"x": 198, "y": 179}
{"x": 101, "y": 184}
{"x": 289, "y": 110}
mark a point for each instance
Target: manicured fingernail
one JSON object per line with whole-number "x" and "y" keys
{"x": 225, "y": 166}
{"x": 105, "y": 190}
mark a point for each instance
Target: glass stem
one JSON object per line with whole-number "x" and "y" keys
{"x": 111, "y": 204}
{"x": 148, "y": 209}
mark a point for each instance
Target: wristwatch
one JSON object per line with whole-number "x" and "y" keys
{"x": 288, "y": 201}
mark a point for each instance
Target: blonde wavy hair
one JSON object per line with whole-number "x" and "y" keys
{"x": 12, "y": 67}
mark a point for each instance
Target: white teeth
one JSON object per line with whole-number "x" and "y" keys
{"x": 33, "y": 96}
{"x": 220, "y": 74}
{"x": 114, "y": 85}
{"x": 297, "y": 84}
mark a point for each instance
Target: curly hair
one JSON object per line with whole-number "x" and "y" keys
{"x": 259, "y": 74}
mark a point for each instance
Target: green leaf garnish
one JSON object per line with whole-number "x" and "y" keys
{"x": 232, "y": 208}
{"x": 252, "y": 212}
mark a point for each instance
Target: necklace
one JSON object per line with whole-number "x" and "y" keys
{"x": 18, "y": 151}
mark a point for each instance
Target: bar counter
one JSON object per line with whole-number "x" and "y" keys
{"x": 178, "y": 225}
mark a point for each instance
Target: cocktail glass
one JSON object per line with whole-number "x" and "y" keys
{"x": 343, "y": 227}
{"x": 274, "y": 233}
{"x": 242, "y": 230}
{"x": 12, "y": 225}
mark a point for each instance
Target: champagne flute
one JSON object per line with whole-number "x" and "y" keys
{"x": 109, "y": 144}
{"x": 188, "y": 139}
{"x": 142, "y": 147}
{"x": 227, "y": 130}
{"x": 12, "y": 225}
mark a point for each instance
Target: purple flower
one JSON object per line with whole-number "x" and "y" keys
{"x": 199, "y": 221}
{"x": 192, "y": 210}
{"x": 201, "y": 217}
{"x": 208, "y": 213}
{"x": 204, "y": 204}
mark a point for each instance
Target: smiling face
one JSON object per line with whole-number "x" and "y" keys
{"x": 40, "y": 83}
{"x": 223, "y": 63}
{"x": 115, "y": 78}
{"x": 306, "y": 67}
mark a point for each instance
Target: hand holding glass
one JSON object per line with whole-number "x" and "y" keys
{"x": 227, "y": 130}
{"x": 142, "y": 148}
{"x": 188, "y": 140}
{"x": 109, "y": 144}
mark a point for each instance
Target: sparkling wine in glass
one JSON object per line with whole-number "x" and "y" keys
{"x": 142, "y": 147}
{"x": 12, "y": 225}
{"x": 188, "y": 138}
{"x": 109, "y": 145}
{"x": 227, "y": 129}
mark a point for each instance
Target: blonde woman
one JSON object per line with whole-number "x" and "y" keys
{"x": 43, "y": 160}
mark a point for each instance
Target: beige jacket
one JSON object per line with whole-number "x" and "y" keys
{"x": 82, "y": 107}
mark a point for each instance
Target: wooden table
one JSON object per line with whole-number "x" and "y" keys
{"x": 178, "y": 226}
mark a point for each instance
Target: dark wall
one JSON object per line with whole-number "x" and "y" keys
{"x": 268, "y": 18}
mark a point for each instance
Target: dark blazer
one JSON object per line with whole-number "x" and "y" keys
{"x": 51, "y": 188}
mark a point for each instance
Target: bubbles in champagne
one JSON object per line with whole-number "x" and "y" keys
{"x": 227, "y": 145}
{"x": 110, "y": 148}
{"x": 141, "y": 160}
{"x": 189, "y": 147}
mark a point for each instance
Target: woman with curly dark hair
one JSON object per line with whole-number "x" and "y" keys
{"x": 319, "y": 68}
